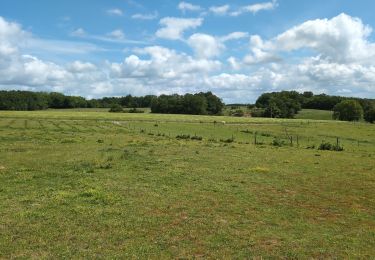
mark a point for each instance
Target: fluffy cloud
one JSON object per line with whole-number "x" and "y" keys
{"x": 205, "y": 46}
{"x": 184, "y": 6}
{"x": 342, "y": 63}
{"x": 341, "y": 39}
{"x": 173, "y": 28}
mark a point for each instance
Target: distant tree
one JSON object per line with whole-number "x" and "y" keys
{"x": 348, "y": 110}
{"x": 369, "y": 114}
{"x": 116, "y": 108}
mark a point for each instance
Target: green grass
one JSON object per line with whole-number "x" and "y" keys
{"x": 81, "y": 184}
{"x": 314, "y": 114}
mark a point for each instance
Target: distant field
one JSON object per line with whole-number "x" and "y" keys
{"x": 314, "y": 114}
{"x": 84, "y": 184}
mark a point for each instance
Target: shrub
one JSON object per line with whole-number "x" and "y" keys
{"x": 183, "y": 137}
{"x": 277, "y": 142}
{"x": 325, "y": 146}
{"x": 348, "y": 110}
{"x": 116, "y": 109}
{"x": 369, "y": 114}
{"x": 198, "y": 138}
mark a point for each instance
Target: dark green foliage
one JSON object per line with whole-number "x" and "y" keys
{"x": 348, "y": 110}
{"x": 369, "y": 113}
{"x": 286, "y": 104}
{"x": 116, "y": 109}
{"x": 278, "y": 142}
{"x": 183, "y": 137}
{"x": 283, "y": 104}
{"x": 134, "y": 110}
{"x": 197, "y": 104}
{"x": 325, "y": 146}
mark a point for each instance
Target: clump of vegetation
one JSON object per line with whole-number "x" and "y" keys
{"x": 116, "y": 109}
{"x": 278, "y": 142}
{"x": 237, "y": 113}
{"x": 348, "y": 110}
{"x": 229, "y": 140}
{"x": 326, "y": 146}
{"x": 182, "y": 136}
{"x": 188, "y": 137}
{"x": 369, "y": 114}
{"x": 197, "y": 138}
{"x": 194, "y": 104}
{"x": 134, "y": 110}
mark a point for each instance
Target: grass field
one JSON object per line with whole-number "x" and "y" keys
{"x": 100, "y": 185}
{"x": 314, "y": 114}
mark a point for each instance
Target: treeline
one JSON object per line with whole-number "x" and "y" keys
{"x": 194, "y": 104}
{"x": 286, "y": 104}
{"x": 28, "y": 100}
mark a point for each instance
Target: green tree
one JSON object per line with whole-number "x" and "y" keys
{"x": 369, "y": 114}
{"x": 348, "y": 110}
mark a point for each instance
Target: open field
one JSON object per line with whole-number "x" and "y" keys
{"x": 314, "y": 114}
{"x": 95, "y": 184}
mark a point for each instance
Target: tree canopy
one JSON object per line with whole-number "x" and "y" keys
{"x": 348, "y": 110}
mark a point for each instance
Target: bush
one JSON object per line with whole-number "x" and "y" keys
{"x": 325, "y": 146}
{"x": 277, "y": 142}
{"x": 369, "y": 114}
{"x": 116, "y": 109}
{"x": 348, "y": 110}
{"x": 134, "y": 110}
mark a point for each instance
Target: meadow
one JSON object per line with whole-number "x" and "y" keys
{"x": 93, "y": 184}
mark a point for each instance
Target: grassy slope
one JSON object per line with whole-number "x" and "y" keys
{"x": 98, "y": 188}
{"x": 314, "y": 114}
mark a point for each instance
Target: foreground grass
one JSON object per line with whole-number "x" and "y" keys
{"x": 102, "y": 185}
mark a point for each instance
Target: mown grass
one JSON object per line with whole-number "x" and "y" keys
{"x": 101, "y": 185}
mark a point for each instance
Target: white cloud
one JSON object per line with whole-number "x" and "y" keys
{"x": 255, "y": 8}
{"x": 78, "y": 33}
{"x": 220, "y": 10}
{"x": 151, "y": 16}
{"x": 173, "y": 28}
{"x": 184, "y": 6}
{"x": 340, "y": 39}
{"x": 234, "y": 36}
{"x": 115, "y": 12}
{"x": 205, "y": 46}
{"x": 347, "y": 69}
{"x": 80, "y": 67}
{"x": 117, "y": 34}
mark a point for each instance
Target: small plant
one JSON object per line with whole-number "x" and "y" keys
{"x": 277, "y": 142}
{"x": 325, "y": 146}
{"x": 183, "y": 137}
{"x": 198, "y": 138}
{"x": 100, "y": 141}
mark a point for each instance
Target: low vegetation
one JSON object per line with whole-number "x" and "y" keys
{"x": 120, "y": 185}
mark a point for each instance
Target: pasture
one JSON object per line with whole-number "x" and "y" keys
{"x": 82, "y": 184}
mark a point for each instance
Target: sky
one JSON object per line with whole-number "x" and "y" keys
{"x": 237, "y": 49}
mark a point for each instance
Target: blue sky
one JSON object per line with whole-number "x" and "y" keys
{"x": 237, "y": 49}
